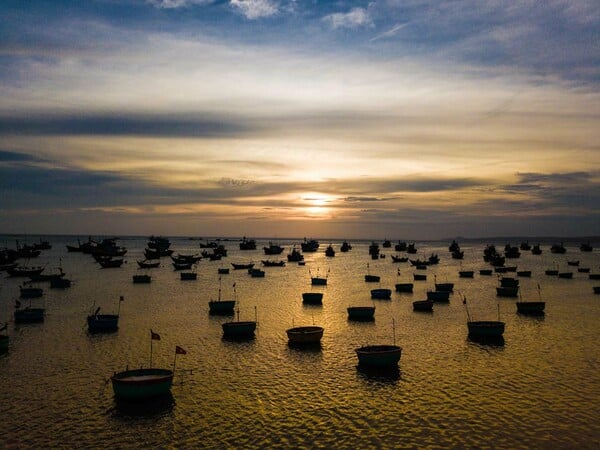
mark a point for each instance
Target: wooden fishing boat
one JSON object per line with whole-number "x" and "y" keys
{"x": 242, "y": 266}
{"x": 295, "y": 256}
{"x": 273, "y": 249}
{"x": 485, "y": 272}
{"x": 596, "y": 289}
{"x": 399, "y": 259}
{"x": 536, "y": 250}
{"x": 381, "y": 294}
{"x": 586, "y": 247}
{"x": 248, "y": 244}
{"x": 29, "y": 315}
{"x": 30, "y": 292}
{"x": 419, "y": 277}
{"x": 524, "y": 273}
{"x": 188, "y": 276}
{"x": 318, "y": 281}
{"x": 60, "y": 283}
{"x": 222, "y": 307}
{"x": 566, "y": 275}
{"x": 465, "y": 274}
{"x": 312, "y": 298}
{"x": 404, "y": 287}
{"x": 182, "y": 266}
{"x": 423, "y": 305}
{"x": 142, "y": 279}
{"x": 141, "y": 384}
{"x": 446, "y": 287}
{"x": 583, "y": 269}
{"x": 438, "y": 296}
{"x": 594, "y": 276}
{"x": 309, "y": 245}
{"x": 256, "y": 273}
{"x": 531, "y": 308}
{"x": 111, "y": 263}
{"x": 573, "y": 263}
{"x": 239, "y": 329}
{"x": 99, "y": 323}
{"x": 507, "y": 291}
{"x": 361, "y": 312}
{"x": 551, "y": 272}
{"x": 558, "y": 248}
{"x": 345, "y": 247}
{"x": 329, "y": 251}
{"x": 222, "y": 270}
{"x": 305, "y": 335}
{"x": 22, "y": 271}
{"x": 148, "y": 264}
{"x": 379, "y": 355}
{"x": 372, "y": 278}
{"x": 508, "y": 281}
{"x": 485, "y": 328}
{"x": 269, "y": 263}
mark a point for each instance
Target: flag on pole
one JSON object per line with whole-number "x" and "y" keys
{"x": 121, "y": 298}
{"x": 179, "y": 350}
{"x": 154, "y": 336}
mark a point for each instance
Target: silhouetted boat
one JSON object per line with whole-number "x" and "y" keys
{"x": 309, "y": 245}
{"x": 573, "y": 263}
{"x": 423, "y": 305}
{"x": 465, "y": 274}
{"x": 453, "y": 246}
{"x": 30, "y": 292}
{"x": 345, "y": 247}
{"x": 111, "y": 263}
{"x": 248, "y": 244}
{"x": 305, "y": 335}
{"x": 148, "y": 264}
{"x": 329, "y": 251}
{"x": 317, "y": 280}
{"x": 419, "y": 277}
{"x": 222, "y": 307}
{"x": 312, "y": 298}
{"x": 485, "y": 271}
{"x": 558, "y": 248}
{"x": 4, "y": 339}
{"x": 438, "y": 296}
{"x": 256, "y": 273}
{"x": 28, "y": 314}
{"x": 524, "y": 273}
{"x": 242, "y": 266}
{"x": 101, "y": 323}
{"x": 458, "y": 254}
{"x": 239, "y": 329}
{"x": 379, "y": 355}
{"x": 295, "y": 256}
{"x": 594, "y": 276}
{"x": 273, "y": 249}
{"x": 566, "y": 275}
{"x": 60, "y": 283}
{"x": 525, "y": 246}
{"x": 22, "y": 271}
{"x": 485, "y": 328}
{"x": 381, "y": 294}
{"x": 142, "y": 279}
{"x": 536, "y": 250}
{"x": 507, "y": 291}
{"x": 586, "y": 247}
{"x": 448, "y": 287}
{"x": 596, "y": 289}
{"x": 268, "y": 263}
{"x": 188, "y": 276}
{"x": 361, "y": 312}
{"x": 404, "y": 287}
{"x": 399, "y": 259}
{"x": 411, "y": 248}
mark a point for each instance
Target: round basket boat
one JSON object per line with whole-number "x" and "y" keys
{"x": 140, "y": 384}
{"x": 305, "y": 335}
{"x": 379, "y": 355}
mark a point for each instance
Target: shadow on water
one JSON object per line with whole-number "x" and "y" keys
{"x": 385, "y": 375}
{"x": 486, "y": 341}
{"x": 361, "y": 320}
{"x": 534, "y": 316}
{"x": 143, "y": 409}
{"x": 310, "y": 347}
{"x": 249, "y": 339}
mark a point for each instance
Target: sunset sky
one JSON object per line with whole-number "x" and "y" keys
{"x": 407, "y": 119}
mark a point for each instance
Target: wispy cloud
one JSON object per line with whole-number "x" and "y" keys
{"x": 389, "y": 33}
{"x": 255, "y": 9}
{"x": 355, "y": 18}
{"x": 172, "y": 4}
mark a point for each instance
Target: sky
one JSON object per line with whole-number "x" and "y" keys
{"x": 405, "y": 119}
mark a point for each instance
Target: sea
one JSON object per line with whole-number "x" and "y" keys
{"x": 538, "y": 388}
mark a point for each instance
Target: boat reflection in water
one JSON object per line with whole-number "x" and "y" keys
{"x": 161, "y": 405}
{"x": 383, "y": 375}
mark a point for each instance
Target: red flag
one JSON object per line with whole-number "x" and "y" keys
{"x": 179, "y": 350}
{"x": 154, "y": 336}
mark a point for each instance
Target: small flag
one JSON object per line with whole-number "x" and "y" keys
{"x": 179, "y": 350}
{"x": 121, "y": 298}
{"x": 154, "y": 336}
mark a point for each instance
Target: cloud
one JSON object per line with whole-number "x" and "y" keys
{"x": 255, "y": 9}
{"x": 355, "y": 18}
{"x": 173, "y": 4}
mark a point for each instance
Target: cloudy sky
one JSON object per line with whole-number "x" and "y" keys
{"x": 410, "y": 119}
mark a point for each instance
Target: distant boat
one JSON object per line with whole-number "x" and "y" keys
{"x": 111, "y": 263}
{"x": 400, "y": 246}
{"x": 484, "y": 329}
{"x": 465, "y": 274}
{"x": 361, "y": 312}
{"x": 312, "y": 298}
{"x": 102, "y": 323}
{"x": 142, "y": 279}
{"x": 379, "y": 355}
{"x": 22, "y": 271}
{"x": 223, "y": 271}
{"x": 345, "y": 247}
{"x": 268, "y": 263}
{"x": 485, "y": 271}
{"x": 239, "y": 329}
{"x": 558, "y": 248}
{"x": 222, "y": 307}
{"x": 525, "y": 246}
{"x": 586, "y": 247}
{"x": 317, "y": 280}
{"x": 188, "y": 276}
{"x": 329, "y": 251}
{"x": 411, "y": 248}
{"x": 371, "y": 278}
{"x": 148, "y": 264}
{"x": 30, "y": 292}
{"x": 247, "y": 244}
{"x": 536, "y": 250}
{"x": 242, "y": 266}
{"x": 28, "y": 314}
{"x": 273, "y": 249}
{"x": 453, "y": 246}
{"x": 524, "y": 273}
{"x": 256, "y": 273}
{"x": 295, "y": 256}
{"x": 573, "y": 263}
{"x": 596, "y": 289}
{"x": 423, "y": 305}
{"x": 566, "y": 275}
{"x": 458, "y": 254}
{"x": 404, "y": 287}
{"x": 438, "y": 296}
{"x": 309, "y": 245}
{"x": 507, "y": 291}
{"x": 419, "y": 277}
{"x": 448, "y": 287}
{"x": 381, "y": 294}
{"x": 60, "y": 283}
{"x": 399, "y": 259}
{"x": 386, "y": 244}
{"x": 305, "y": 335}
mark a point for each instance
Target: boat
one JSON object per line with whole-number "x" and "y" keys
{"x": 312, "y": 298}
{"x": 465, "y": 274}
{"x": 309, "y": 245}
{"x": 242, "y": 266}
{"x": 453, "y": 246}
{"x": 256, "y": 273}
{"x": 182, "y": 266}
{"x": 573, "y": 263}
{"x": 329, "y": 251}
{"x": 438, "y": 296}
{"x": 536, "y": 250}
{"x": 458, "y": 254}
{"x": 30, "y": 292}
{"x": 551, "y": 272}
{"x": 345, "y": 247}
{"x": 507, "y": 291}
{"x": 188, "y": 276}
{"x": 586, "y": 247}
{"x": 28, "y": 314}
{"x": 239, "y": 329}
{"x": 594, "y": 276}
{"x": 404, "y": 287}
{"x": 485, "y": 271}
{"x": 4, "y": 339}
{"x": 148, "y": 264}
{"x": 142, "y": 279}
{"x": 566, "y": 275}
{"x": 381, "y": 294}
{"x": 305, "y": 335}
{"x": 485, "y": 328}
{"x": 448, "y": 287}
{"x": 145, "y": 383}
{"x": 111, "y": 263}
{"x": 508, "y": 281}
{"x": 295, "y": 256}
{"x": 269, "y": 263}
{"x": 399, "y": 259}
{"x": 22, "y": 271}
{"x": 583, "y": 269}
{"x": 423, "y": 305}
{"x": 273, "y": 249}
{"x": 102, "y": 323}
{"x": 411, "y": 248}
{"x": 419, "y": 277}
{"x": 247, "y": 244}
{"x": 364, "y": 313}
{"x": 317, "y": 280}
{"x": 525, "y": 246}
{"x": 158, "y": 242}
{"x": 531, "y": 308}
{"x": 60, "y": 283}
{"x": 156, "y": 253}
{"x": 222, "y": 307}
{"x": 372, "y": 278}
{"x": 511, "y": 252}
{"x": 558, "y": 248}
{"x": 400, "y": 246}
{"x": 223, "y": 271}
{"x": 500, "y": 270}
{"x": 433, "y": 259}
{"x": 379, "y": 355}
{"x": 524, "y": 273}
{"x": 374, "y": 250}
{"x": 596, "y": 289}
{"x": 182, "y": 259}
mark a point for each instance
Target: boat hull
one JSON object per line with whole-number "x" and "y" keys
{"x": 312, "y": 298}
{"x": 29, "y": 315}
{"x": 404, "y": 287}
{"x": 141, "y": 384}
{"x": 486, "y": 329}
{"x": 379, "y": 355}
{"x": 305, "y": 335}
{"x": 423, "y": 305}
{"x": 224, "y": 307}
{"x": 361, "y": 312}
{"x": 381, "y": 294}
{"x": 239, "y": 329}
{"x": 438, "y": 296}
{"x": 103, "y": 323}
{"x": 532, "y": 308}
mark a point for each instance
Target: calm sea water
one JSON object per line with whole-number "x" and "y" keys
{"x": 541, "y": 389}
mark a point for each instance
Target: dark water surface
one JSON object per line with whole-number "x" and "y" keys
{"x": 540, "y": 389}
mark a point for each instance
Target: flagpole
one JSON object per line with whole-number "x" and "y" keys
{"x": 151, "y": 348}
{"x": 175, "y": 360}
